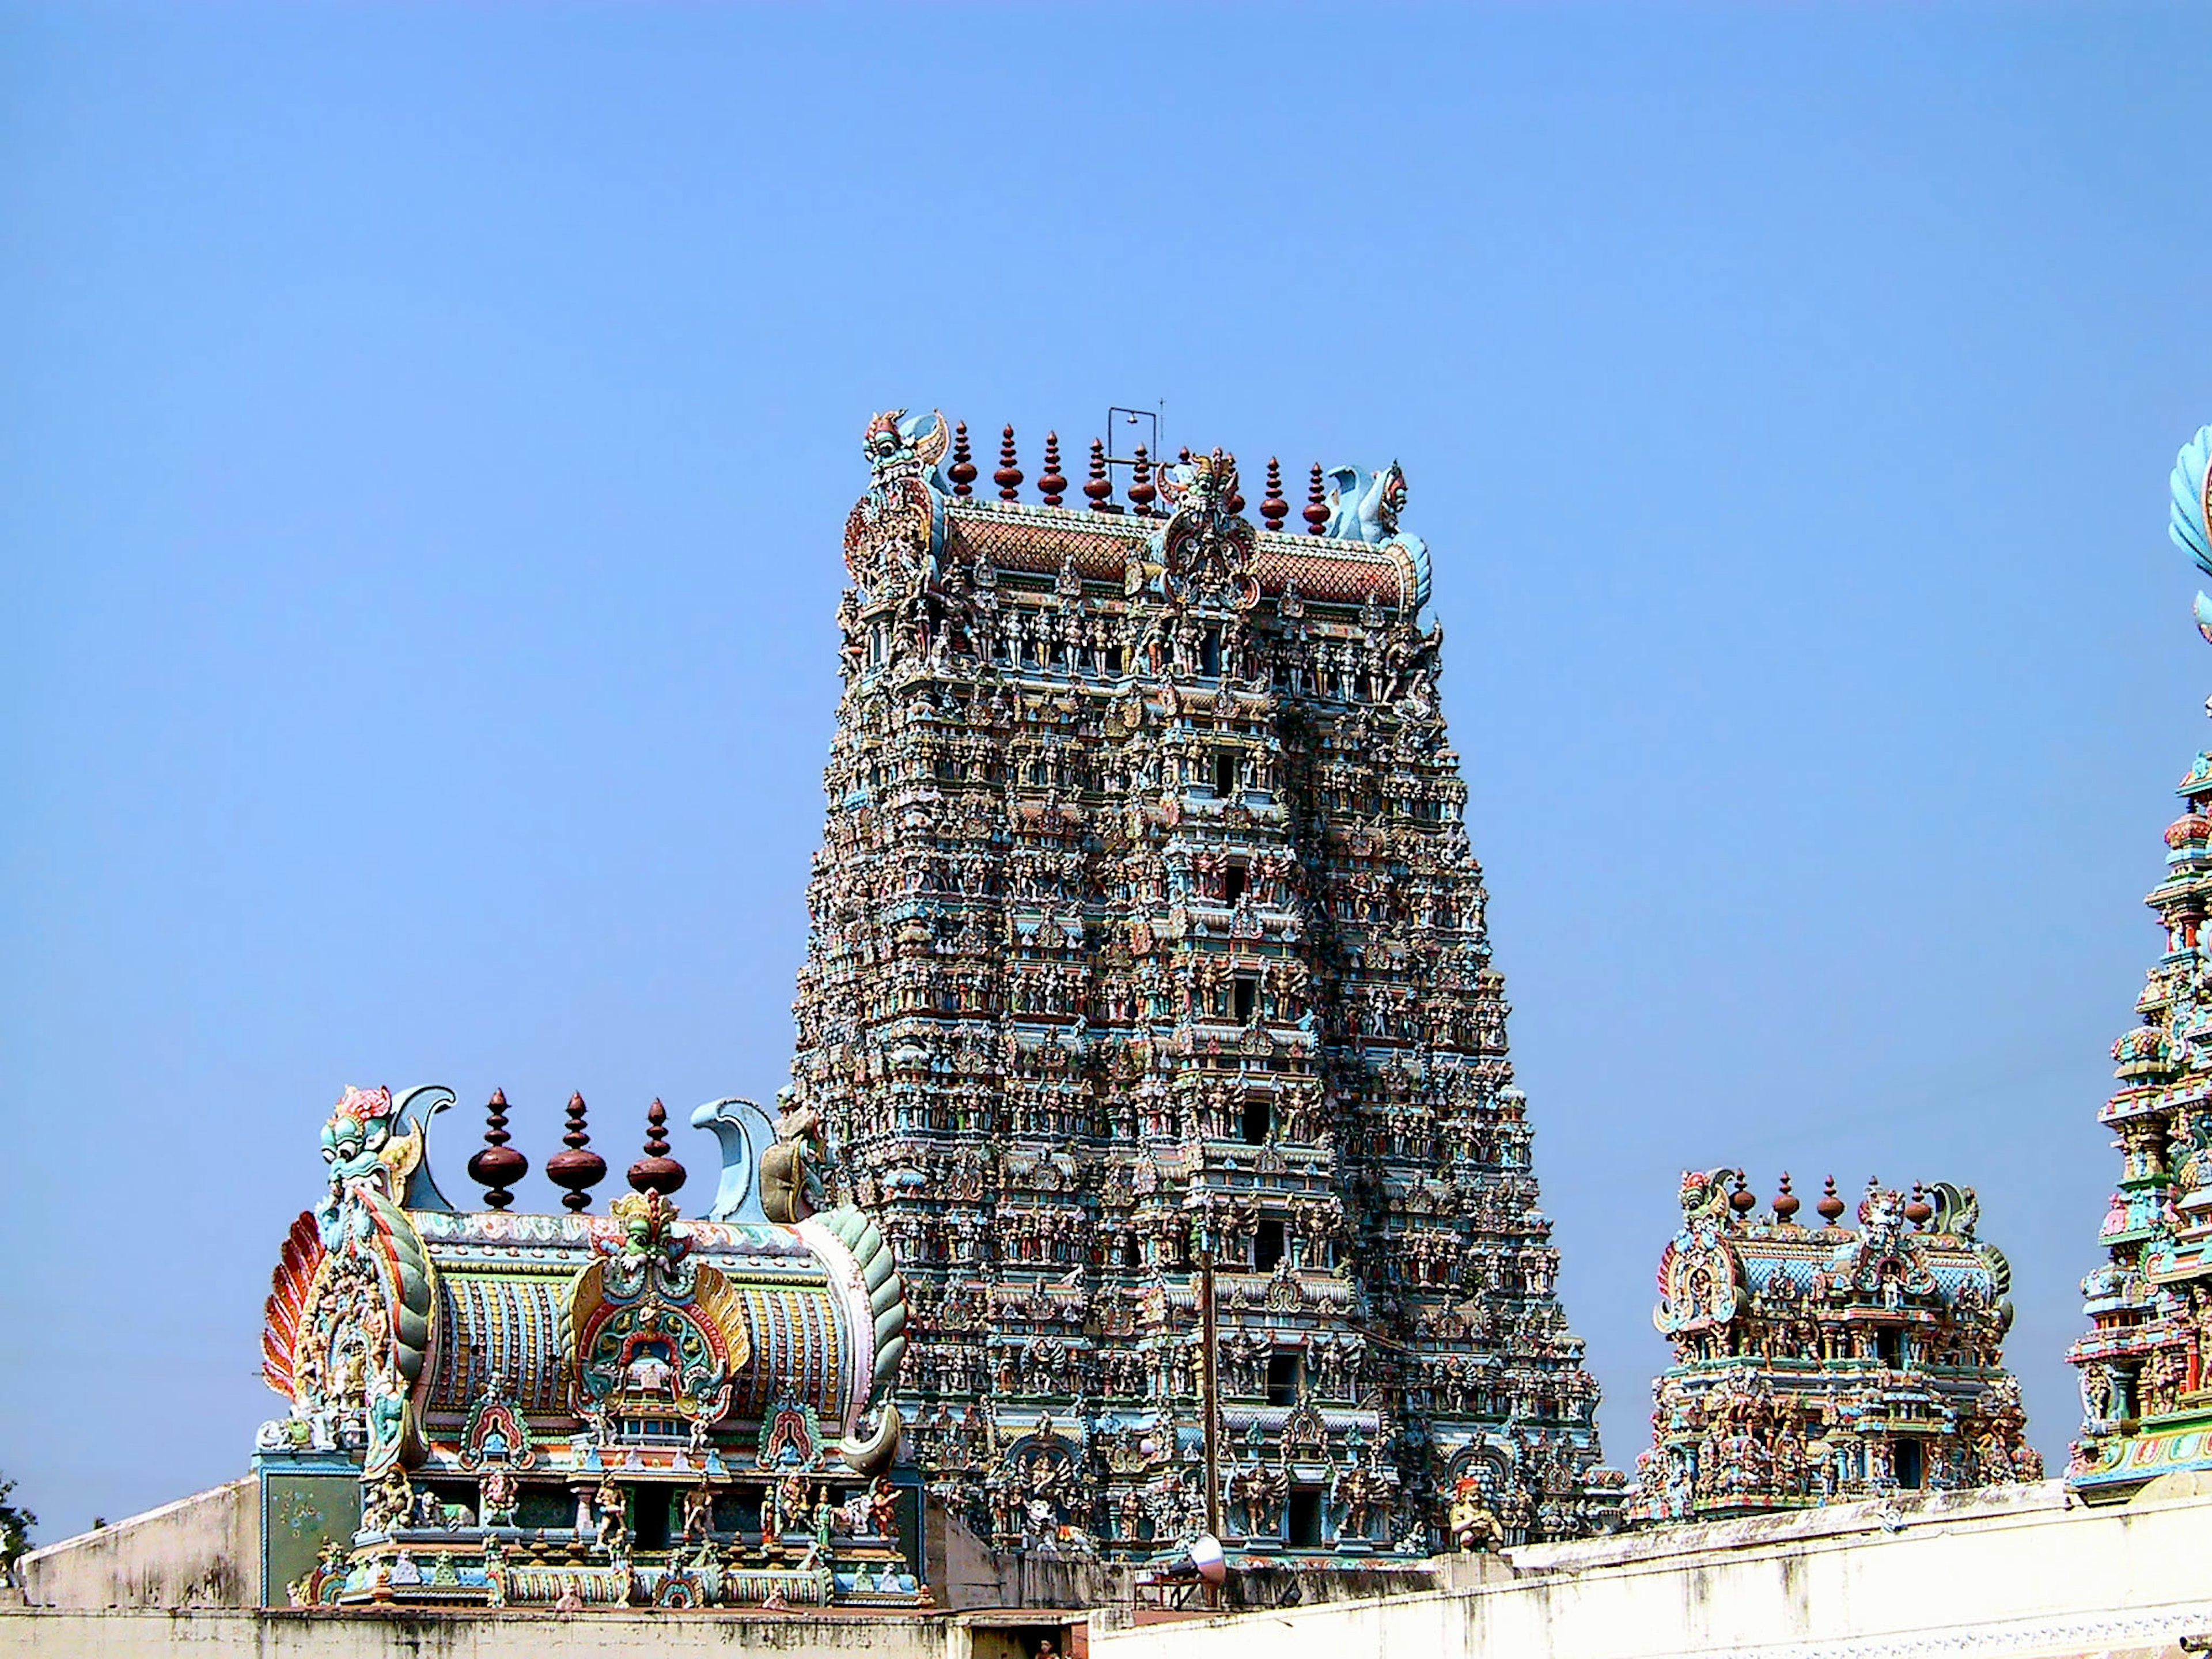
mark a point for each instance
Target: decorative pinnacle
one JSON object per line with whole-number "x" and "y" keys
{"x": 1141, "y": 492}
{"x": 577, "y": 1169}
{"x": 1008, "y": 477}
{"x": 1098, "y": 487}
{"x": 1786, "y": 1203}
{"x": 1919, "y": 1211}
{"x": 1052, "y": 483}
{"x": 1274, "y": 510}
{"x": 656, "y": 1172}
{"x": 498, "y": 1166}
{"x": 1316, "y": 512}
{"x": 1830, "y": 1206}
{"x": 1741, "y": 1201}
{"x": 962, "y": 470}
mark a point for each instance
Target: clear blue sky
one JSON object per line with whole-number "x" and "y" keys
{"x": 425, "y": 436}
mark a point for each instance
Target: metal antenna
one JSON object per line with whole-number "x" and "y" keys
{"x": 1116, "y": 441}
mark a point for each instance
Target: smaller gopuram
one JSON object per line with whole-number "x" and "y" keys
{"x": 490, "y": 1409}
{"x": 2146, "y": 1361}
{"x": 1817, "y": 1363}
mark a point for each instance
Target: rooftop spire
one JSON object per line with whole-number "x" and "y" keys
{"x": 1008, "y": 477}
{"x": 1274, "y": 510}
{"x": 577, "y": 1169}
{"x": 1141, "y": 490}
{"x": 656, "y": 1172}
{"x": 962, "y": 470}
{"x": 1099, "y": 487}
{"x": 498, "y": 1166}
{"x": 1051, "y": 485}
{"x": 1316, "y": 512}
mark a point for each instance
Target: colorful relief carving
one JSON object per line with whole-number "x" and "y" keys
{"x": 1818, "y": 1364}
{"x": 1145, "y": 934}
{"x": 563, "y": 1409}
{"x": 2146, "y": 1360}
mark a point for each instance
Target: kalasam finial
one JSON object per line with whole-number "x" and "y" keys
{"x": 498, "y": 1166}
{"x": 576, "y": 1169}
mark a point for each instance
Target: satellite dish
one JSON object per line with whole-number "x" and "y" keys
{"x": 1206, "y": 1555}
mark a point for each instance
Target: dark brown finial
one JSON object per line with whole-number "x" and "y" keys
{"x": 1316, "y": 512}
{"x": 1786, "y": 1203}
{"x": 1236, "y": 501}
{"x": 1098, "y": 487}
{"x": 1919, "y": 1211}
{"x": 577, "y": 1169}
{"x": 1052, "y": 485}
{"x": 498, "y": 1166}
{"x": 963, "y": 470}
{"x": 1141, "y": 492}
{"x": 1008, "y": 477}
{"x": 1741, "y": 1201}
{"x": 1274, "y": 510}
{"x": 1830, "y": 1206}
{"x": 656, "y": 1172}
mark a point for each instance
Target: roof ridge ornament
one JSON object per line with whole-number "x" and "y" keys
{"x": 2189, "y": 520}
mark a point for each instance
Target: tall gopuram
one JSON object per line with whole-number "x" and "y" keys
{"x": 1817, "y": 1363}
{"x": 1147, "y": 951}
{"x": 2146, "y": 1361}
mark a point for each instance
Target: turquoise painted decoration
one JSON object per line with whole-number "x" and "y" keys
{"x": 744, "y": 1132}
{"x": 2186, "y": 523}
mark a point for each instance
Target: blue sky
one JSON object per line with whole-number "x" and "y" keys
{"x": 425, "y": 434}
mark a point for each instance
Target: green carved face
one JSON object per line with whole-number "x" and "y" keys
{"x": 357, "y": 1130}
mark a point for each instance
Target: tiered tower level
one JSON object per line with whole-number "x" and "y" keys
{"x": 1146, "y": 935}
{"x": 2146, "y": 1362}
{"x": 1824, "y": 1363}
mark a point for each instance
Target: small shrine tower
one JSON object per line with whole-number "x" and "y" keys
{"x": 1818, "y": 1364}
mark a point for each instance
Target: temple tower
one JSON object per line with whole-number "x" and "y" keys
{"x": 1817, "y": 1363}
{"x": 1146, "y": 940}
{"x": 2146, "y": 1361}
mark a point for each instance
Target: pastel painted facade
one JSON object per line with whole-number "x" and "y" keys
{"x": 1815, "y": 1364}
{"x": 1147, "y": 947}
{"x": 494, "y": 1409}
{"x": 2146, "y": 1360}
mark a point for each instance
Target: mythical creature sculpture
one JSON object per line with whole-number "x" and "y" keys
{"x": 791, "y": 1185}
{"x": 2189, "y": 520}
{"x": 1364, "y": 506}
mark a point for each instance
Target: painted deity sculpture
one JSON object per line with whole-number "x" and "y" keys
{"x": 1816, "y": 1364}
{"x": 1145, "y": 935}
{"x": 2146, "y": 1361}
{"x": 488, "y": 1408}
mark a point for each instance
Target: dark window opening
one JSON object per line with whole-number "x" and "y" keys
{"x": 1233, "y": 880}
{"x": 1132, "y": 1253}
{"x": 1305, "y": 1517}
{"x": 1890, "y": 1346}
{"x": 1113, "y": 659}
{"x": 1225, "y": 772}
{"x": 1247, "y": 999}
{"x": 1282, "y": 1373}
{"x": 1209, "y": 652}
{"x": 648, "y": 1516}
{"x": 1910, "y": 1465}
{"x": 1257, "y": 1118}
{"x": 1267, "y": 1243}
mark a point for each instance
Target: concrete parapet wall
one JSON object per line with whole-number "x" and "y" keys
{"x": 215, "y": 1633}
{"x": 2018, "y": 1570}
{"x": 204, "y": 1550}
